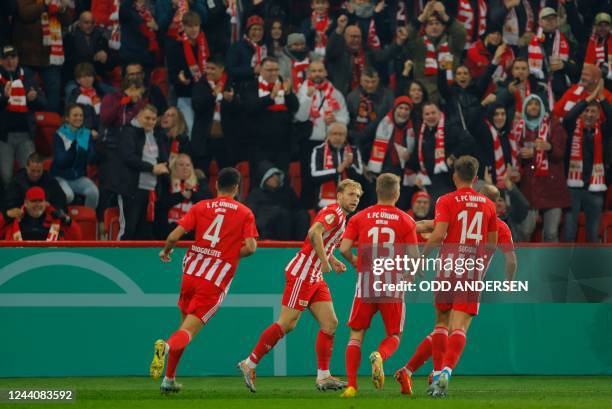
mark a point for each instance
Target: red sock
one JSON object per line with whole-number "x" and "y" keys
{"x": 388, "y": 346}
{"x": 439, "y": 341}
{"x": 421, "y": 355}
{"x": 266, "y": 342}
{"x": 324, "y": 347}
{"x": 456, "y": 343}
{"x": 177, "y": 343}
{"x": 353, "y": 359}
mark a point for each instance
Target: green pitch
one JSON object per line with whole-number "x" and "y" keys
{"x": 299, "y": 392}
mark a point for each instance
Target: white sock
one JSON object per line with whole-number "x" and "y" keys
{"x": 437, "y": 373}
{"x": 250, "y": 363}
{"x": 166, "y": 379}
{"x": 449, "y": 370}
{"x": 166, "y": 348}
{"x": 322, "y": 374}
{"x": 408, "y": 371}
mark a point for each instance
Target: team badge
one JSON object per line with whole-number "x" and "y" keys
{"x": 329, "y": 219}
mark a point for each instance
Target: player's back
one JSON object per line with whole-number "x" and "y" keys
{"x": 384, "y": 224}
{"x": 220, "y": 225}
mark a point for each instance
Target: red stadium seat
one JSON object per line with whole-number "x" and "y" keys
{"x": 46, "y": 125}
{"x": 295, "y": 177}
{"x": 86, "y": 217}
{"x": 606, "y": 227}
{"x": 159, "y": 77}
{"x": 111, "y": 222}
{"x": 608, "y": 205}
{"x": 243, "y": 168}
{"x": 47, "y": 164}
{"x": 92, "y": 173}
{"x": 213, "y": 171}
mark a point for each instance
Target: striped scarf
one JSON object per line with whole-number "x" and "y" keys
{"x": 536, "y": 52}
{"x": 175, "y": 31}
{"x": 17, "y": 101}
{"x": 511, "y": 26}
{"x": 52, "y": 235}
{"x": 439, "y": 152}
{"x": 597, "y": 182}
{"x": 466, "y": 16}
{"x": 52, "y": 32}
{"x": 260, "y": 51}
{"x": 498, "y": 154}
{"x": 219, "y": 96}
{"x": 176, "y": 212}
{"x": 196, "y": 65}
{"x": 596, "y": 52}
{"x": 321, "y": 24}
{"x": 115, "y": 41}
{"x": 145, "y": 30}
{"x": 89, "y": 97}
{"x": 387, "y": 132}
{"x": 265, "y": 89}
{"x": 541, "y": 158}
{"x": 327, "y": 89}
{"x": 298, "y": 72}
{"x": 327, "y": 193}
{"x": 435, "y": 57}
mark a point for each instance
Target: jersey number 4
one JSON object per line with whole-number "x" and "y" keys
{"x": 470, "y": 229}
{"x": 212, "y": 233}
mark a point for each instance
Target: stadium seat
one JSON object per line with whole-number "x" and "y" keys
{"x": 92, "y": 173}
{"x": 581, "y": 236}
{"x": 111, "y": 222}
{"x": 606, "y": 227}
{"x": 243, "y": 168}
{"x": 213, "y": 171}
{"x": 86, "y": 217}
{"x": 159, "y": 77}
{"x": 46, "y": 125}
{"x": 47, "y": 164}
{"x": 295, "y": 177}
{"x": 608, "y": 205}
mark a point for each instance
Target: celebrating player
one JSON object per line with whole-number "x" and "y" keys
{"x": 423, "y": 351}
{"x": 382, "y": 226}
{"x": 225, "y": 231}
{"x": 464, "y": 220}
{"x": 305, "y": 288}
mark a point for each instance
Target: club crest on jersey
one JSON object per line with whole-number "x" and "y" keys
{"x": 329, "y": 219}
{"x": 303, "y": 303}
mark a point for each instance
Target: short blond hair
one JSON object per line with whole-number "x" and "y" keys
{"x": 387, "y": 185}
{"x": 346, "y": 183}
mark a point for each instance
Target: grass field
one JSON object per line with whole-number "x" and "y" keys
{"x": 299, "y": 392}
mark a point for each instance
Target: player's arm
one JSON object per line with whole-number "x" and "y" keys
{"x": 346, "y": 249}
{"x": 424, "y": 226}
{"x": 511, "y": 265}
{"x": 437, "y": 235}
{"x": 315, "y": 235}
{"x": 249, "y": 247}
{"x": 171, "y": 241}
{"x": 337, "y": 265}
{"x": 491, "y": 244}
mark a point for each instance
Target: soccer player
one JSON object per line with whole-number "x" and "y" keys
{"x": 225, "y": 231}
{"x": 464, "y": 221}
{"x": 305, "y": 288}
{"x": 382, "y": 228}
{"x": 506, "y": 245}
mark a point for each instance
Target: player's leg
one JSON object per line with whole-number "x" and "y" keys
{"x": 353, "y": 360}
{"x": 323, "y": 311}
{"x": 420, "y": 356}
{"x": 393, "y": 315}
{"x": 459, "y": 323}
{"x": 439, "y": 342}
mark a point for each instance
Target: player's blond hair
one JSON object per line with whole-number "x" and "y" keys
{"x": 346, "y": 183}
{"x": 387, "y": 186}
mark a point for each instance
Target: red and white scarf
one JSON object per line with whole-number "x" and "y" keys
{"x": 175, "y": 30}
{"x": 52, "y": 32}
{"x": 89, "y": 97}
{"x": 511, "y": 26}
{"x": 196, "y": 65}
{"x": 176, "y": 212}
{"x": 145, "y": 30}
{"x": 327, "y": 193}
{"x": 498, "y": 154}
{"x": 466, "y": 16}
{"x": 52, "y": 235}
{"x": 365, "y": 112}
{"x": 596, "y": 52}
{"x": 518, "y": 97}
{"x": 17, "y": 101}
{"x": 536, "y": 52}
{"x": 387, "y": 132}
{"x": 597, "y": 182}
{"x": 321, "y": 24}
{"x": 541, "y": 157}
{"x": 115, "y": 40}
{"x": 232, "y": 10}
{"x": 331, "y": 104}
{"x": 373, "y": 40}
{"x": 359, "y": 62}
{"x": 260, "y": 51}
{"x": 220, "y": 84}
{"x": 569, "y": 100}
{"x": 298, "y": 72}
{"x": 433, "y": 58}
{"x": 439, "y": 152}
{"x": 265, "y": 89}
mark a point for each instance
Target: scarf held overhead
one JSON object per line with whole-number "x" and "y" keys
{"x": 597, "y": 182}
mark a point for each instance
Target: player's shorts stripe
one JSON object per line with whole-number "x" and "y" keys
{"x": 203, "y": 266}
{"x": 193, "y": 264}
{"x": 214, "y": 309}
{"x": 213, "y": 269}
{"x": 352, "y": 308}
{"x": 297, "y": 284}
{"x": 222, "y": 274}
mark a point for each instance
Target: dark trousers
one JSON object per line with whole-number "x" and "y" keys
{"x": 309, "y": 188}
{"x": 592, "y": 204}
{"x": 133, "y": 224}
{"x": 218, "y": 149}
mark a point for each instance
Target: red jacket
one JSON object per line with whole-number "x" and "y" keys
{"x": 101, "y": 10}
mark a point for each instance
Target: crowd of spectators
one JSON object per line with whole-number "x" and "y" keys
{"x": 152, "y": 92}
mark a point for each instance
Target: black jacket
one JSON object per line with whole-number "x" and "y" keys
{"x": 483, "y": 148}
{"x": 262, "y": 198}
{"x": 238, "y": 61}
{"x": 19, "y": 121}
{"x": 177, "y": 63}
{"x": 16, "y": 190}
{"x": 81, "y": 48}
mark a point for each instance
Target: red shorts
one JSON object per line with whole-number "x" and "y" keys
{"x": 299, "y": 294}
{"x": 467, "y": 307}
{"x": 199, "y": 297}
{"x": 393, "y": 315}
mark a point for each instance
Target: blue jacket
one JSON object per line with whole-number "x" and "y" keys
{"x": 71, "y": 163}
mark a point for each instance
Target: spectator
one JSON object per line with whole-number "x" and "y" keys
{"x": 599, "y": 49}
{"x": 276, "y": 207}
{"x": 520, "y": 23}
{"x": 333, "y": 161}
{"x": 73, "y": 150}
{"x": 473, "y": 16}
{"x": 142, "y": 158}
{"x": 86, "y": 43}
{"x": 511, "y": 207}
{"x": 549, "y": 53}
{"x": 172, "y": 125}
{"x": 187, "y": 59}
{"x": 320, "y": 106}
{"x": 512, "y": 92}
{"x": 587, "y": 161}
{"x": 439, "y": 49}
{"x": 19, "y": 98}
{"x": 420, "y": 205}
{"x": 482, "y": 53}
{"x": 245, "y": 57}
{"x": 215, "y": 128}
{"x": 293, "y": 60}
{"x": 589, "y": 80}
{"x": 37, "y": 34}
{"x": 270, "y": 106}
{"x": 88, "y": 94}
{"x": 138, "y": 34}
{"x": 372, "y": 19}
{"x": 367, "y": 106}
{"x": 417, "y": 92}
{"x": 437, "y": 147}
{"x": 541, "y": 144}
{"x": 170, "y": 14}
{"x": 178, "y": 191}
{"x": 346, "y": 56}
{"x": 316, "y": 27}
{"x": 103, "y": 11}
{"x": 40, "y": 221}
{"x": 33, "y": 175}
{"x": 218, "y": 27}
{"x": 274, "y": 37}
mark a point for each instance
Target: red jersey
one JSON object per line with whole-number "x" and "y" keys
{"x": 306, "y": 264}
{"x": 504, "y": 237}
{"x": 221, "y": 226}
